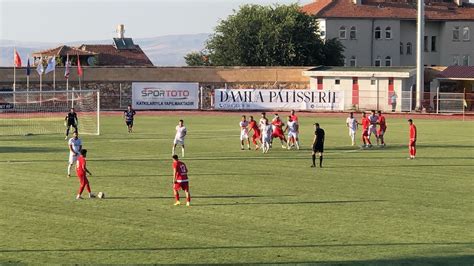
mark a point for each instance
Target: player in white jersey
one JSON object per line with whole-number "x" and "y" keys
{"x": 267, "y": 131}
{"x": 179, "y": 137}
{"x": 292, "y": 127}
{"x": 261, "y": 123}
{"x": 373, "y": 119}
{"x": 75, "y": 147}
{"x": 244, "y": 133}
{"x": 352, "y": 124}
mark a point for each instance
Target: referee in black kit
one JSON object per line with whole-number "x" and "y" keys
{"x": 318, "y": 145}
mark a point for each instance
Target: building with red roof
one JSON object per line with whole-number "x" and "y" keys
{"x": 383, "y": 32}
{"x": 121, "y": 52}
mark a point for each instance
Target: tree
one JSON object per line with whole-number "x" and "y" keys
{"x": 197, "y": 59}
{"x": 332, "y": 51}
{"x": 279, "y": 35}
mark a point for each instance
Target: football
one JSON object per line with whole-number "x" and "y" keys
{"x": 101, "y": 195}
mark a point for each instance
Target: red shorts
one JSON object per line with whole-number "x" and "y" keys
{"x": 184, "y": 186}
{"x": 256, "y": 135}
{"x": 412, "y": 143}
{"x": 278, "y": 134}
{"x": 365, "y": 132}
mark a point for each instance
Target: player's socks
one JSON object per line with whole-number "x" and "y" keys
{"x": 78, "y": 197}
{"x": 297, "y": 145}
{"x": 314, "y": 159}
{"x": 173, "y": 151}
{"x": 69, "y": 170}
{"x": 321, "y": 161}
{"x": 177, "y": 203}
{"x": 182, "y": 152}
{"x": 188, "y": 203}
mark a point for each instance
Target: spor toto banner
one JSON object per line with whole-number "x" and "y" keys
{"x": 160, "y": 95}
{"x": 271, "y": 99}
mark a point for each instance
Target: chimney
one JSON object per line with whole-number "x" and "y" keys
{"x": 120, "y": 31}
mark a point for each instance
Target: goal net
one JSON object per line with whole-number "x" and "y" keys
{"x": 35, "y": 112}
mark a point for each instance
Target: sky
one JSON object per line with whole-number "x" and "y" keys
{"x": 73, "y": 20}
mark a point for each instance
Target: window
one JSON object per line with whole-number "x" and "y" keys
{"x": 388, "y": 61}
{"x": 433, "y": 43}
{"x": 388, "y": 33}
{"x": 401, "y": 48}
{"x": 409, "y": 48}
{"x": 373, "y": 82}
{"x": 337, "y": 82}
{"x": 353, "y": 61}
{"x": 455, "y": 60}
{"x": 465, "y": 60}
{"x": 425, "y": 44}
{"x": 353, "y": 33}
{"x": 378, "y": 61}
{"x": 465, "y": 34}
{"x": 456, "y": 34}
{"x": 342, "y": 32}
{"x": 378, "y": 33}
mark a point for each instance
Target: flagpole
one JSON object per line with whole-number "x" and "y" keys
{"x": 28, "y": 81}
{"x": 14, "y": 75}
{"x": 464, "y": 103}
{"x": 54, "y": 78}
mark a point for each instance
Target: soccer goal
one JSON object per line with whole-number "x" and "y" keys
{"x": 43, "y": 112}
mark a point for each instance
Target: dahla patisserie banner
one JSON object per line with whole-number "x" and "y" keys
{"x": 274, "y": 99}
{"x": 165, "y": 96}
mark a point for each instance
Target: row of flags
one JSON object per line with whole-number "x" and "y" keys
{"x": 49, "y": 68}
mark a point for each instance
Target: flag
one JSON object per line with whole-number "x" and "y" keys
{"x": 16, "y": 59}
{"x": 465, "y": 103}
{"x": 28, "y": 71}
{"x": 51, "y": 65}
{"x": 68, "y": 65}
{"x": 40, "y": 68}
{"x": 79, "y": 68}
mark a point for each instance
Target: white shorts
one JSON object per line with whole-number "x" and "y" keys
{"x": 372, "y": 130}
{"x": 244, "y": 136}
{"x": 293, "y": 135}
{"x": 72, "y": 158}
{"x": 178, "y": 142}
{"x": 352, "y": 132}
{"x": 267, "y": 139}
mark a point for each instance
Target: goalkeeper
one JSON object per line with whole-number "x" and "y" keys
{"x": 71, "y": 120}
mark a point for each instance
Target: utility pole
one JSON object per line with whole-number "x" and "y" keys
{"x": 420, "y": 33}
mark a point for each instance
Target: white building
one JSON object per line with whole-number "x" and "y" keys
{"x": 383, "y": 32}
{"x": 369, "y": 88}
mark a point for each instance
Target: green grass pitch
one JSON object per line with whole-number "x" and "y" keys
{"x": 366, "y": 206}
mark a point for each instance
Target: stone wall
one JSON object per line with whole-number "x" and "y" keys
{"x": 114, "y": 83}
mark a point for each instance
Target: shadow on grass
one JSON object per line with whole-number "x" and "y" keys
{"x": 290, "y": 203}
{"x": 204, "y": 197}
{"x": 262, "y": 247}
{"x": 12, "y": 149}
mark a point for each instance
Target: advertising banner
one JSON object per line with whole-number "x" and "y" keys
{"x": 274, "y": 99}
{"x": 165, "y": 96}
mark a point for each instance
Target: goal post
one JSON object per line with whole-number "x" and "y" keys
{"x": 44, "y": 112}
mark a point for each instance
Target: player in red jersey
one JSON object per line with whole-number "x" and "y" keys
{"x": 365, "y": 130}
{"x": 180, "y": 180}
{"x": 256, "y": 132}
{"x": 293, "y": 116}
{"x": 278, "y": 130}
{"x": 412, "y": 142}
{"x": 81, "y": 170}
{"x": 382, "y": 128}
